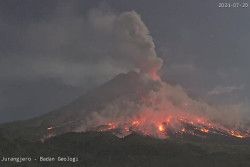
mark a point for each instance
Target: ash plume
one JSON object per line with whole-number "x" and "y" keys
{"x": 131, "y": 42}
{"x": 129, "y": 27}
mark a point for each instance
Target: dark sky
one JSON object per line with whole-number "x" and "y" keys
{"x": 53, "y": 51}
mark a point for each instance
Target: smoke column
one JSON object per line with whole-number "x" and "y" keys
{"x": 129, "y": 26}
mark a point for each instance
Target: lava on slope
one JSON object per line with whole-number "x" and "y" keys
{"x": 137, "y": 103}
{"x": 173, "y": 127}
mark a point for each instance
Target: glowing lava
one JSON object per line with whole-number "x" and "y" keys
{"x": 204, "y": 130}
{"x": 161, "y": 128}
{"x": 135, "y": 123}
{"x": 236, "y": 134}
{"x": 177, "y": 125}
{"x": 50, "y": 128}
{"x": 111, "y": 126}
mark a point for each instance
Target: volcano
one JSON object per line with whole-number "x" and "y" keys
{"x": 133, "y": 120}
{"x": 129, "y": 103}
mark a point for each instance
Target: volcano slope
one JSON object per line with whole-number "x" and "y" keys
{"x": 72, "y": 116}
{"x": 130, "y": 103}
{"x": 128, "y": 122}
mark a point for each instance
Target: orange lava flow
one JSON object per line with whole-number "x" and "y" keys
{"x": 136, "y": 123}
{"x": 204, "y": 130}
{"x": 178, "y": 125}
{"x": 50, "y": 128}
{"x": 161, "y": 128}
{"x": 235, "y": 134}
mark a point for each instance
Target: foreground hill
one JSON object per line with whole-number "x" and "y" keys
{"x": 95, "y": 149}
